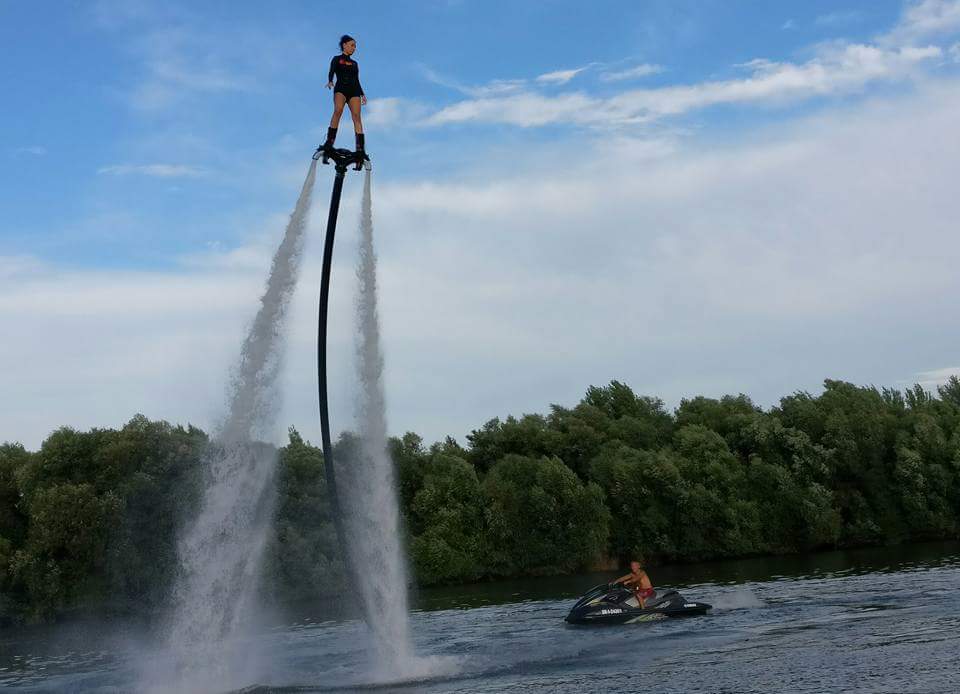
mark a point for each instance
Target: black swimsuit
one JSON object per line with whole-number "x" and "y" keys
{"x": 348, "y": 76}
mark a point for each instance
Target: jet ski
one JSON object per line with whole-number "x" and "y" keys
{"x": 614, "y": 603}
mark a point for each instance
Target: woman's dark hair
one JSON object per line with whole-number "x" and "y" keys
{"x": 346, "y": 38}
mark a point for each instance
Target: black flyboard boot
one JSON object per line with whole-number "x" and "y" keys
{"x": 328, "y": 145}
{"x": 361, "y": 153}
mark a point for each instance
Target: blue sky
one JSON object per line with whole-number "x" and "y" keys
{"x": 217, "y": 89}
{"x": 149, "y": 152}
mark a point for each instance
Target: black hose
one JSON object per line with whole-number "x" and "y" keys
{"x": 322, "y": 360}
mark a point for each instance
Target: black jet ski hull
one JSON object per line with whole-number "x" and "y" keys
{"x": 610, "y": 605}
{"x": 634, "y": 615}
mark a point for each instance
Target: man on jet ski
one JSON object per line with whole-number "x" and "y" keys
{"x": 638, "y": 580}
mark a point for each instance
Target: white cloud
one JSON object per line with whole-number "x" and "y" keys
{"x": 116, "y": 14}
{"x": 18, "y": 266}
{"x": 152, "y": 96}
{"x": 114, "y": 344}
{"x": 936, "y": 377}
{"x": 789, "y": 24}
{"x": 647, "y": 269}
{"x": 502, "y": 87}
{"x": 179, "y": 58}
{"x": 435, "y": 77}
{"x": 172, "y": 79}
{"x": 495, "y": 87}
{"x": 681, "y": 266}
{"x": 955, "y": 52}
{"x": 836, "y": 70}
{"x": 925, "y": 19}
{"x": 631, "y": 73}
{"x": 526, "y": 110}
{"x": 559, "y": 76}
{"x": 176, "y": 73}
{"x": 390, "y": 111}
{"x": 155, "y": 170}
{"x": 839, "y": 17}
{"x": 762, "y": 265}
{"x": 757, "y": 65}
{"x": 34, "y": 150}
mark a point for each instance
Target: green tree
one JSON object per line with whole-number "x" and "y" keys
{"x": 303, "y": 559}
{"x": 61, "y": 565}
{"x": 409, "y": 459}
{"x": 726, "y": 416}
{"x": 541, "y": 518}
{"x": 13, "y": 529}
{"x": 447, "y": 523}
{"x": 611, "y": 413}
{"x": 859, "y": 426}
{"x": 643, "y": 491}
{"x": 528, "y": 436}
{"x": 156, "y": 471}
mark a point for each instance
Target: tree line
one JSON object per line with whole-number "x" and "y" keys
{"x": 89, "y": 522}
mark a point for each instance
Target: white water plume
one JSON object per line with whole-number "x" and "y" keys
{"x": 220, "y": 553}
{"x": 371, "y": 514}
{"x": 253, "y": 403}
{"x": 738, "y": 599}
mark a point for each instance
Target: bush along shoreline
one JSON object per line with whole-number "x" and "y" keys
{"x": 89, "y": 522}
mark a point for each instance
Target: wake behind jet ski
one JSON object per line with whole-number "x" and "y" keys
{"x": 614, "y": 603}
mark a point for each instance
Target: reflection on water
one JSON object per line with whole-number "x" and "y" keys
{"x": 793, "y": 567}
{"x": 882, "y": 620}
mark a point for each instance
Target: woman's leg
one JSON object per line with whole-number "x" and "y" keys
{"x": 354, "y": 104}
{"x": 339, "y": 100}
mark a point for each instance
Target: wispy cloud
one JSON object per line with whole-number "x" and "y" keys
{"x": 812, "y": 214}
{"x": 925, "y": 19}
{"x": 835, "y": 70}
{"x": 502, "y": 87}
{"x": 154, "y": 170}
{"x": 526, "y": 110}
{"x": 34, "y": 150}
{"x": 173, "y": 77}
{"x": 18, "y": 266}
{"x": 631, "y": 73}
{"x": 115, "y": 14}
{"x": 496, "y": 87}
{"x": 789, "y": 24}
{"x": 386, "y": 112}
{"x": 207, "y": 79}
{"x": 179, "y": 57}
{"x": 936, "y": 377}
{"x": 839, "y": 17}
{"x": 560, "y": 76}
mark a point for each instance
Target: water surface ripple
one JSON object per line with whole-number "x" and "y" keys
{"x": 890, "y": 624}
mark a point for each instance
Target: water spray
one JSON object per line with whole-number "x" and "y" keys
{"x": 364, "y": 500}
{"x": 214, "y": 596}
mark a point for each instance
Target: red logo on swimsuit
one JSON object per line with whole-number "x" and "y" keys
{"x": 346, "y": 62}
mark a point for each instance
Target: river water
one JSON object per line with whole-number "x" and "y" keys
{"x": 881, "y": 620}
